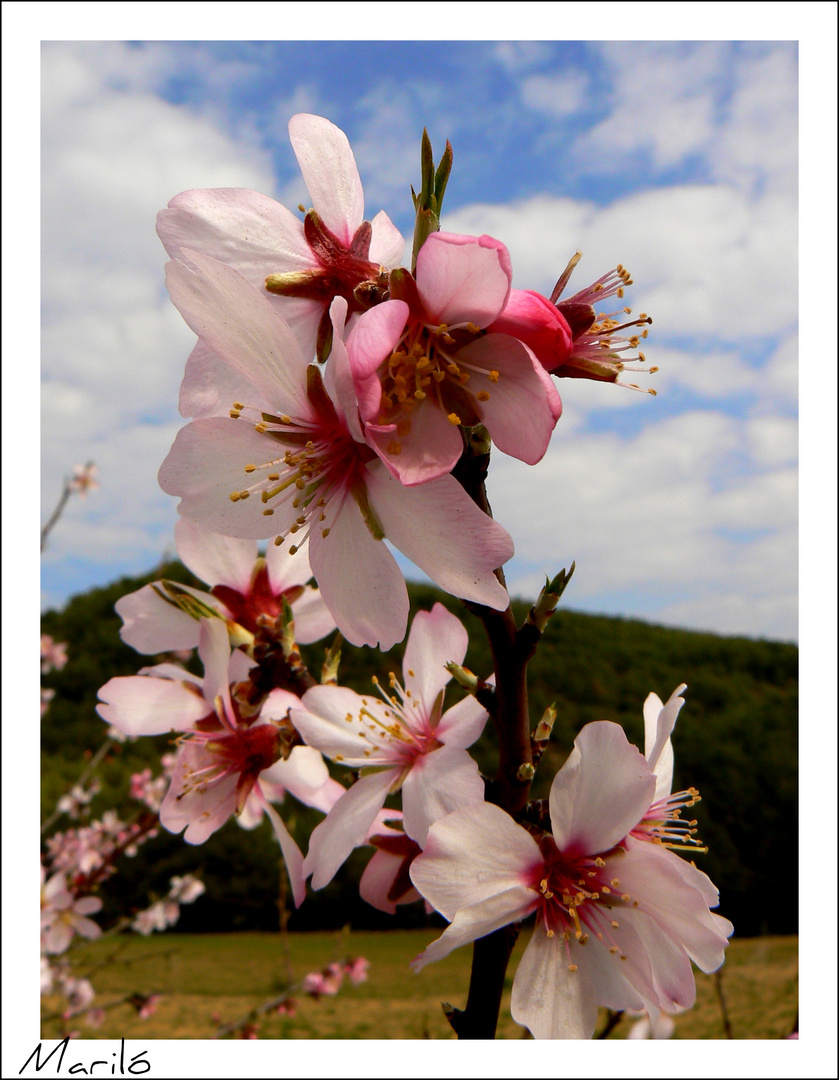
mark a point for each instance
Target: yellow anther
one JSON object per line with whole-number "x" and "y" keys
{"x": 250, "y": 468}
{"x": 293, "y": 549}
{"x": 234, "y": 415}
{"x": 268, "y": 513}
{"x": 493, "y": 376}
{"x": 278, "y": 540}
{"x": 572, "y": 967}
{"x": 234, "y": 496}
{"x": 261, "y": 428}
{"x": 244, "y": 494}
{"x": 454, "y": 419}
{"x": 470, "y": 326}
{"x": 482, "y": 395}
{"x": 625, "y": 897}
{"x": 325, "y": 532}
{"x": 615, "y": 883}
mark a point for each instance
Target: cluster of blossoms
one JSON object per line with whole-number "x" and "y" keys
{"x": 337, "y": 400}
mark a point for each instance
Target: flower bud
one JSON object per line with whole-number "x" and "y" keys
{"x": 533, "y": 319}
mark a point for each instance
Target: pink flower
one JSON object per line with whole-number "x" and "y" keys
{"x": 356, "y": 970}
{"x": 304, "y": 469}
{"x": 84, "y": 479}
{"x": 53, "y": 654}
{"x": 221, "y": 755}
{"x": 63, "y": 915}
{"x": 406, "y": 737}
{"x": 445, "y": 370}
{"x": 662, "y": 823}
{"x": 244, "y": 587}
{"x": 570, "y": 337}
{"x": 386, "y": 881}
{"x": 332, "y": 252}
{"x": 618, "y": 920}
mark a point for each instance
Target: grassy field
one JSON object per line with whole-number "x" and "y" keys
{"x": 213, "y": 979}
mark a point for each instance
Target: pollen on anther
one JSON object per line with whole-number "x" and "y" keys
{"x": 572, "y": 967}
{"x": 454, "y": 419}
{"x": 482, "y": 395}
{"x": 250, "y": 468}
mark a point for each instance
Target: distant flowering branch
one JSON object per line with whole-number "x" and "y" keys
{"x": 81, "y": 482}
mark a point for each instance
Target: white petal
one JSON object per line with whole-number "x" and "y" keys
{"x": 473, "y": 854}
{"x": 216, "y": 559}
{"x": 345, "y": 826}
{"x": 475, "y": 921}
{"x": 444, "y": 533}
{"x": 436, "y": 637}
{"x": 326, "y": 160}
{"x": 601, "y": 792}
{"x": 152, "y": 625}
{"x": 144, "y": 705}
{"x": 438, "y": 784}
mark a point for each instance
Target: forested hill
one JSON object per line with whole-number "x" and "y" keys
{"x": 736, "y": 741}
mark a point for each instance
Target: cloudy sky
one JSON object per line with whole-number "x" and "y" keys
{"x": 677, "y": 158}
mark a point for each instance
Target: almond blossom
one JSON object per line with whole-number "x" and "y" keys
{"x": 63, "y": 915}
{"x": 305, "y": 468}
{"x": 404, "y": 736}
{"x": 618, "y": 921}
{"x": 332, "y": 252}
{"x": 573, "y": 340}
{"x": 445, "y": 370}
{"x": 244, "y": 588}
{"x": 221, "y": 754}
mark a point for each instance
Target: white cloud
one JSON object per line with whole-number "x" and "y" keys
{"x": 113, "y": 348}
{"x": 705, "y": 259}
{"x": 678, "y": 509}
{"x": 559, "y": 96}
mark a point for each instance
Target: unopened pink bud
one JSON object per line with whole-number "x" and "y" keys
{"x": 534, "y": 320}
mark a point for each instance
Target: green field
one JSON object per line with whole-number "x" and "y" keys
{"x": 212, "y": 979}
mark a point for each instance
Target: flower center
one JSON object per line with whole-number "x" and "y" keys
{"x": 577, "y": 896}
{"x": 425, "y": 366}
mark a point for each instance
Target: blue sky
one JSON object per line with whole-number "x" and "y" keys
{"x": 677, "y": 158}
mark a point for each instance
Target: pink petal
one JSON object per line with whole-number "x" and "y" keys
{"x": 214, "y": 651}
{"x": 359, "y": 579}
{"x": 436, "y": 637}
{"x": 659, "y": 721}
{"x": 345, "y": 826}
{"x": 444, "y": 533}
{"x": 287, "y": 571}
{"x": 328, "y": 166}
{"x": 654, "y": 877}
{"x": 521, "y": 409}
{"x": 548, "y": 999}
{"x": 152, "y": 625}
{"x": 463, "y": 723}
{"x": 303, "y": 770}
{"x": 475, "y": 921}
{"x": 601, "y": 792}
{"x": 387, "y": 244}
{"x": 430, "y": 449}
{"x": 463, "y": 279}
{"x": 210, "y": 386}
{"x": 243, "y": 328}
{"x": 144, "y": 705}
{"x": 377, "y": 879}
{"x": 323, "y": 722}
{"x": 250, "y": 232}
{"x": 473, "y": 854}
{"x": 216, "y": 559}
{"x": 206, "y": 463}
{"x": 291, "y": 854}
{"x": 437, "y": 784}
{"x": 312, "y": 618}
{"x": 374, "y": 336}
